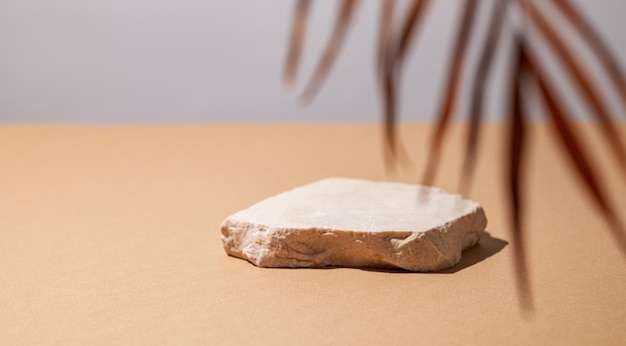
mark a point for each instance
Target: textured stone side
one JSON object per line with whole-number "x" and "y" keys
{"x": 434, "y": 249}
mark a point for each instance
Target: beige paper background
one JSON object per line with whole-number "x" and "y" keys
{"x": 110, "y": 234}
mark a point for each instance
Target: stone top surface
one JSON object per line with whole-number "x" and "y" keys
{"x": 352, "y": 204}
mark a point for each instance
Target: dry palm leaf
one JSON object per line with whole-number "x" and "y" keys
{"x": 395, "y": 38}
{"x": 347, "y": 8}
{"x": 600, "y": 48}
{"x": 392, "y": 55}
{"x": 481, "y": 75}
{"x": 516, "y": 171}
{"x": 573, "y": 144}
{"x": 300, "y": 20}
{"x": 583, "y": 78}
{"x": 452, "y": 89}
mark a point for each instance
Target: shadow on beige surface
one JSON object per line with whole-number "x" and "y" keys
{"x": 486, "y": 247}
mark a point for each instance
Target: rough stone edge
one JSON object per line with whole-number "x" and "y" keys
{"x": 281, "y": 247}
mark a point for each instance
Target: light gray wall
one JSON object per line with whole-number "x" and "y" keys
{"x": 211, "y": 60}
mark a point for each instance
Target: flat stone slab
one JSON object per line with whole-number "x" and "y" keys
{"x": 356, "y": 223}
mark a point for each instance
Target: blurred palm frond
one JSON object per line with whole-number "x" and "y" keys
{"x": 396, "y": 36}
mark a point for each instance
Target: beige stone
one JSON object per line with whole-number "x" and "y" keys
{"x": 356, "y": 223}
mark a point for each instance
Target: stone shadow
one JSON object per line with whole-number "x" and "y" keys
{"x": 486, "y": 247}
